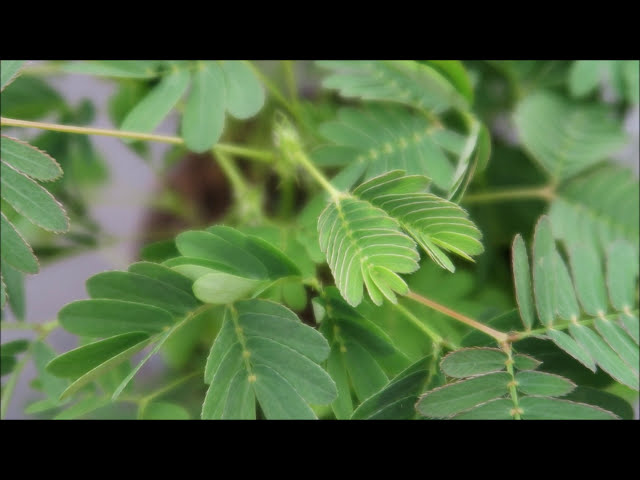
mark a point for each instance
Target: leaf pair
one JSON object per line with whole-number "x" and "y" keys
{"x": 227, "y": 265}
{"x": 484, "y": 384}
{"x": 600, "y": 311}
{"x": 216, "y": 87}
{"x": 362, "y": 235}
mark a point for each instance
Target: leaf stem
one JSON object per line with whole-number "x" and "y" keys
{"x": 255, "y": 154}
{"x": 499, "y": 336}
{"x": 306, "y": 163}
{"x": 546, "y": 193}
{"x": 513, "y": 392}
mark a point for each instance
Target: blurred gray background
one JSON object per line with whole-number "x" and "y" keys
{"x": 119, "y": 208}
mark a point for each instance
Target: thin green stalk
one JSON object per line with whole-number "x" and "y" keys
{"x": 306, "y": 163}
{"x": 290, "y": 77}
{"x": 144, "y": 401}
{"x": 255, "y": 154}
{"x": 500, "y": 337}
{"x": 40, "y": 328}
{"x": 273, "y": 89}
{"x": 513, "y": 391}
{"x": 545, "y": 193}
{"x": 232, "y": 173}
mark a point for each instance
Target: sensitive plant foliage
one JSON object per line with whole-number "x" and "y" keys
{"x": 384, "y": 185}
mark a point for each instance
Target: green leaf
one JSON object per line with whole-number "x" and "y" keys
{"x": 544, "y": 275}
{"x": 367, "y": 377}
{"x": 52, "y": 385}
{"x": 115, "y": 68}
{"x": 541, "y": 408}
{"x": 159, "y": 251}
{"x": 463, "y": 395}
{"x": 499, "y": 409}
{"x": 566, "y": 138}
{"x": 455, "y": 72}
{"x": 165, "y": 411}
{"x": 606, "y": 358}
{"x": 525, "y": 362}
{"x": 76, "y": 363}
{"x": 468, "y": 362}
{"x": 203, "y": 118}
{"x": 278, "y": 366}
{"x": 82, "y": 408}
{"x": 133, "y": 287}
{"x": 584, "y": 76}
{"x": 398, "y": 398}
{"x": 245, "y": 96}
{"x": 103, "y": 317}
{"x": 604, "y": 400}
{"x": 15, "y": 251}
{"x": 588, "y": 278}
{"x": 31, "y": 200}
{"x": 522, "y": 281}
{"x": 14, "y": 283}
{"x": 15, "y": 347}
{"x": 619, "y": 341}
{"x": 622, "y": 274}
{"x": 569, "y": 345}
{"x": 31, "y": 99}
{"x": 630, "y": 324}
{"x": 86, "y": 363}
{"x": 566, "y": 303}
{"x": 148, "y": 114}
{"x": 355, "y": 236}
{"x": 8, "y": 71}
{"x": 220, "y": 288}
{"x": 436, "y": 224}
{"x": 384, "y": 138}
{"x": 160, "y": 342}
{"x": 28, "y": 159}
{"x": 7, "y": 364}
{"x": 544, "y": 384}
{"x": 404, "y": 81}
{"x": 163, "y": 274}
{"x": 342, "y": 406}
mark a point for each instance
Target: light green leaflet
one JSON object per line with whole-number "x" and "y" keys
{"x": 115, "y": 68}
{"x": 437, "y": 225}
{"x": 358, "y": 348}
{"x": 86, "y": 363}
{"x": 600, "y": 329}
{"x": 396, "y": 401}
{"x": 8, "y": 71}
{"x": 463, "y": 395}
{"x": 264, "y": 353}
{"x": 468, "y": 362}
{"x": 622, "y": 75}
{"x": 148, "y": 114}
{"x": 245, "y": 95}
{"x": 28, "y": 159}
{"x": 543, "y": 384}
{"x": 522, "y": 281}
{"x": 31, "y": 200}
{"x": 13, "y": 282}
{"x": 407, "y": 82}
{"x": 203, "y": 118}
{"x": 566, "y": 138}
{"x": 387, "y": 139}
{"x": 14, "y": 249}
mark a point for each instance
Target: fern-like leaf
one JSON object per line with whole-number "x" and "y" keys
{"x": 599, "y": 311}
{"x": 566, "y": 138}
{"x": 402, "y": 81}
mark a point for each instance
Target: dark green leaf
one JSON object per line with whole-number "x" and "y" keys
{"x": 468, "y": 362}
{"x": 544, "y": 384}
{"x": 28, "y": 159}
{"x": 15, "y": 250}
{"x": 541, "y": 408}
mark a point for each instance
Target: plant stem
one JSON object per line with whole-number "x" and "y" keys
{"x": 229, "y": 168}
{"x": 41, "y": 328}
{"x": 273, "y": 89}
{"x": 290, "y": 77}
{"x": 513, "y": 392}
{"x": 546, "y": 193}
{"x": 499, "y": 336}
{"x": 304, "y": 161}
{"x": 260, "y": 155}
{"x": 144, "y": 401}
